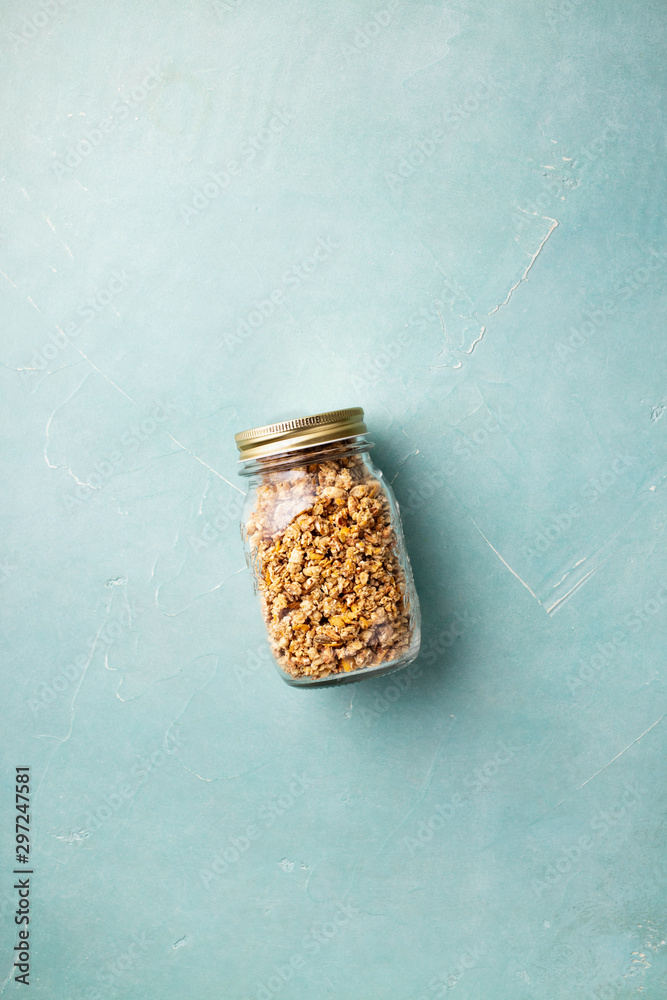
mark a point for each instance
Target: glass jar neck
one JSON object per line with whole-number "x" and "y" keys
{"x": 328, "y": 451}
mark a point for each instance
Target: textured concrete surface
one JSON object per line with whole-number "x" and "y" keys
{"x": 219, "y": 214}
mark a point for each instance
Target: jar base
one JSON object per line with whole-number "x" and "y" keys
{"x": 353, "y": 675}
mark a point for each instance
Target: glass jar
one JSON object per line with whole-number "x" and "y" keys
{"x": 325, "y": 547}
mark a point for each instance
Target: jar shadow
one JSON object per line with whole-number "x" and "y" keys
{"x": 426, "y": 508}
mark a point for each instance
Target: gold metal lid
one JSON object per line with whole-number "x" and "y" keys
{"x": 304, "y": 432}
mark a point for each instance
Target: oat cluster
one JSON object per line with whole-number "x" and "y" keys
{"x": 325, "y": 556}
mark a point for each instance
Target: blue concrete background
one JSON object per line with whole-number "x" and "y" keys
{"x": 215, "y": 215}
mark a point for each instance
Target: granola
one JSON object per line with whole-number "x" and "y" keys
{"x": 324, "y": 552}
